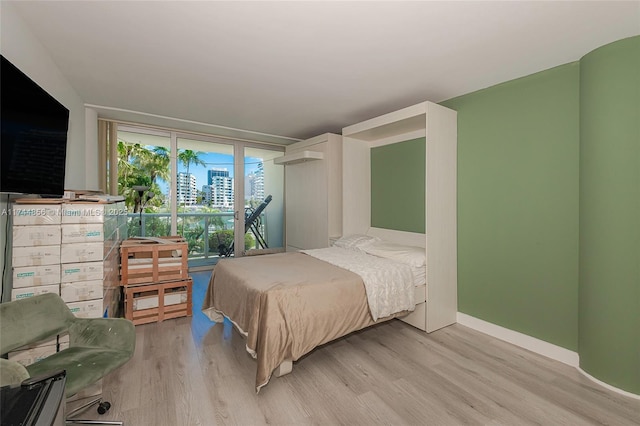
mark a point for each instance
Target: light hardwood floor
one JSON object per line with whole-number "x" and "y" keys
{"x": 189, "y": 371}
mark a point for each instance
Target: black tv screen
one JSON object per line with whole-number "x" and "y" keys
{"x": 33, "y": 136}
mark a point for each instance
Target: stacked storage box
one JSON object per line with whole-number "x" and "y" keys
{"x": 36, "y": 264}
{"x": 36, "y": 250}
{"x": 155, "y": 278}
{"x": 70, "y": 249}
{"x": 91, "y": 233}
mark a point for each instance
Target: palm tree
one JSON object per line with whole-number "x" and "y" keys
{"x": 154, "y": 163}
{"x": 159, "y": 164}
{"x": 130, "y": 172}
{"x": 188, "y": 157}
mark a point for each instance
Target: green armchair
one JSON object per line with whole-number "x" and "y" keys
{"x": 97, "y": 346}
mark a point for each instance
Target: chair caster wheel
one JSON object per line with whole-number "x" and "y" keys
{"x": 103, "y": 407}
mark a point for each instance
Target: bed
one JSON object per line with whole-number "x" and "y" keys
{"x": 287, "y": 304}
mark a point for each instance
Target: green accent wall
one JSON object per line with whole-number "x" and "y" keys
{"x": 518, "y": 146}
{"x": 549, "y": 208}
{"x": 398, "y": 186}
{"x": 609, "y": 311}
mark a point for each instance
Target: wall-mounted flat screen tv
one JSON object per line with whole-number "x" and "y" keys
{"x": 33, "y": 136}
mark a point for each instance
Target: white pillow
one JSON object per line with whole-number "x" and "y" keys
{"x": 410, "y": 255}
{"x": 354, "y": 241}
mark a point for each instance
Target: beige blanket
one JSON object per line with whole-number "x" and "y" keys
{"x": 286, "y": 304}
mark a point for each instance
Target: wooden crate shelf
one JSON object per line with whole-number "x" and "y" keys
{"x": 159, "y": 291}
{"x": 153, "y": 260}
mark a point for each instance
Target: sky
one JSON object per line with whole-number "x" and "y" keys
{"x": 213, "y": 161}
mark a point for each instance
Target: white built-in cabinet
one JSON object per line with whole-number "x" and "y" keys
{"x": 439, "y": 127}
{"x": 313, "y": 191}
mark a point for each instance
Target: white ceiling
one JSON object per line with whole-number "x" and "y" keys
{"x": 298, "y": 69}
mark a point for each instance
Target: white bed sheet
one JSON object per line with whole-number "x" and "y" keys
{"x": 419, "y": 275}
{"x": 389, "y": 285}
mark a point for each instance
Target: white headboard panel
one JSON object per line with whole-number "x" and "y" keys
{"x": 399, "y": 237}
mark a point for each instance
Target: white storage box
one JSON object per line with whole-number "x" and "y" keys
{"x": 36, "y": 214}
{"x": 91, "y": 212}
{"x": 81, "y": 252}
{"x": 82, "y": 233}
{"x": 87, "y": 271}
{"x": 30, "y": 356}
{"x": 36, "y": 235}
{"x": 35, "y": 256}
{"x": 31, "y": 276}
{"x": 148, "y": 302}
{"x": 83, "y": 213}
{"x": 79, "y": 291}
{"x": 87, "y": 308}
{"x": 26, "y": 292}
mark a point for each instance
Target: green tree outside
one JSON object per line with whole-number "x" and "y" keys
{"x": 142, "y": 165}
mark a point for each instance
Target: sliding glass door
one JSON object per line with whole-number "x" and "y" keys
{"x": 225, "y": 197}
{"x": 263, "y": 201}
{"x": 205, "y": 198}
{"x": 144, "y": 179}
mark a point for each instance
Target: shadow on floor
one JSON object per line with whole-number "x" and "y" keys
{"x": 200, "y": 323}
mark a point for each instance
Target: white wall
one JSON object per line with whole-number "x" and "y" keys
{"x": 21, "y": 48}
{"x": 91, "y": 150}
{"x": 274, "y": 186}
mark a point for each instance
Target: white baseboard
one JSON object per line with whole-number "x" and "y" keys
{"x": 519, "y": 339}
{"x": 535, "y": 345}
{"x": 608, "y": 386}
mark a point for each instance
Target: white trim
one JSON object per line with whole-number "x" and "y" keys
{"x": 519, "y": 339}
{"x": 420, "y": 133}
{"x": 535, "y": 345}
{"x": 364, "y": 129}
{"x": 298, "y": 157}
{"x": 238, "y": 200}
{"x": 399, "y": 237}
{"x": 192, "y": 122}
{"x": 608, "y": 386}
{"x": 173, "y": 182}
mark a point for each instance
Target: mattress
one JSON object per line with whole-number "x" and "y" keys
{"x": 287, "y": 304}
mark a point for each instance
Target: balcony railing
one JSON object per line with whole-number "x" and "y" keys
{"x": 204, "y": 232}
